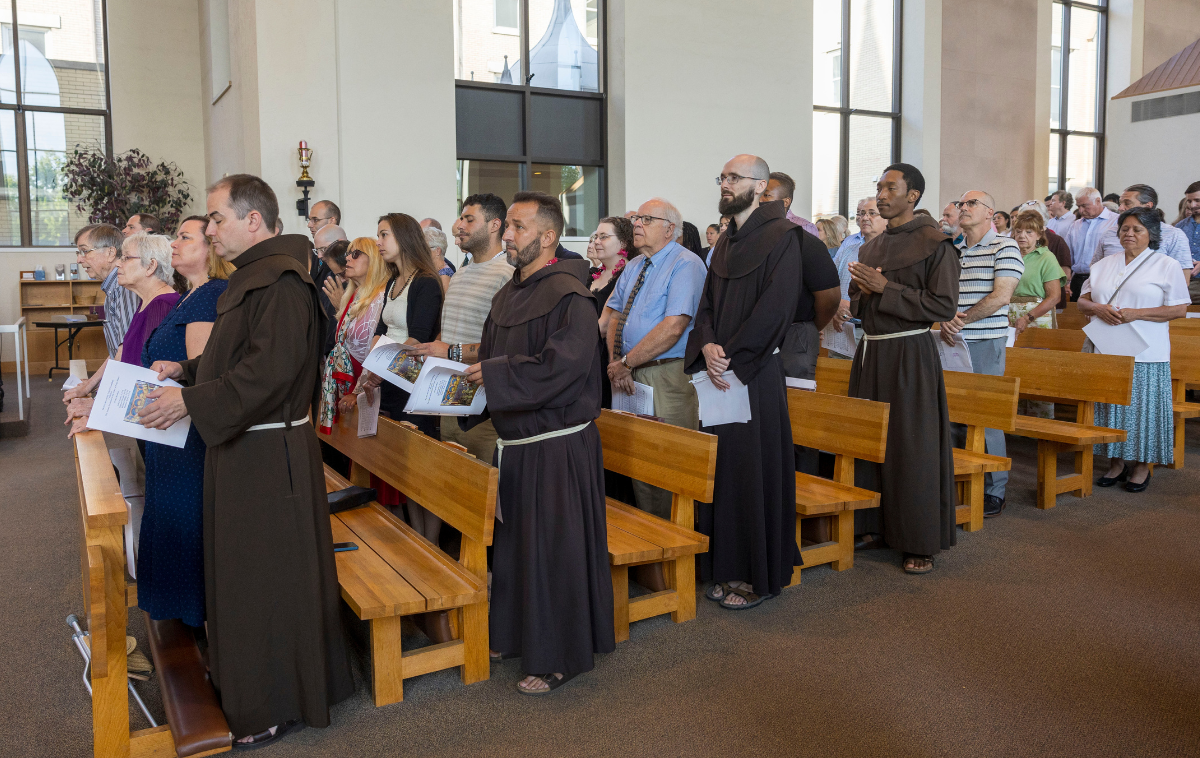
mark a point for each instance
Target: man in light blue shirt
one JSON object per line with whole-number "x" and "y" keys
{"x": 1084, "y": 234}
{"x": 870, "y": 225}
{"x": 648, "y": 319}
{"x": 1174, "y": 242}
{"x": 1190, "y": 226}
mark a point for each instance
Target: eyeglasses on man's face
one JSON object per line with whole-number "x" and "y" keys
{"x": 646, "y": 220}
{"x": 867, "y": 214}
{"x": 960, "y": 204}
{"x": 318, "y": 219}
{"x": 733, "y": 179}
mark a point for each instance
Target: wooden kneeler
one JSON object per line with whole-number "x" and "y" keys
{"x": 681, "y": 461}
{"x": 396, "y": 572}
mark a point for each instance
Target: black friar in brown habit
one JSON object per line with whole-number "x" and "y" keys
{"x": 749, "y": 300}
{"x": 552, "y": 601}
{"x": 276, "y": 650}
{"x": 916, "y": 479}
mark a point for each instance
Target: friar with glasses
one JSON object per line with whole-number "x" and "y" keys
{"x": 748, "y": 303}
{"x": 648, "y": 318}
{"x": 276, "y": 652}
{"x": 904, "y": 280}
{"x": 551, "y": 601}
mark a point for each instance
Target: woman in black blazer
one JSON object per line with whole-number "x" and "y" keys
{"x": 412, "y": 313}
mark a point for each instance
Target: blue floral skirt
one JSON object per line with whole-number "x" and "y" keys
{"x": 1148, "y": 419}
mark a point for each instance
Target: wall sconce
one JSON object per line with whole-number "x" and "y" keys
{"x": 305, "y": 181}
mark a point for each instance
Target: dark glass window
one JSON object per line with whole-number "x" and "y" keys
{"x": 1077, "y": 91}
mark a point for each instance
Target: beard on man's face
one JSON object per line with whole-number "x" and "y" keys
{"x": 477, "y": 242}
{"x": 731, "y": 206}
{"x": 521, "y": 258}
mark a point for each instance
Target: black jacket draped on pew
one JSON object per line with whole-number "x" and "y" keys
{"x": 551, "y": 587}
{"x": 276, "y": 649}
{"x": 916, "y": 480}
{"x": 748, "y": 303}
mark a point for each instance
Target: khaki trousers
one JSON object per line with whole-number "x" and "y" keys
{"x": 675, "y": 402}
{"x": 479, "y": 442}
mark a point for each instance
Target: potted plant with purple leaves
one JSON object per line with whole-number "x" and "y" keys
{"x": 112, "y": 190}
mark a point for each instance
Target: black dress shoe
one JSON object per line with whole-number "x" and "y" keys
{"x": 992, "y": 506}
{"x": 1131, "y": 487}
{"x": 1108, "y": 481}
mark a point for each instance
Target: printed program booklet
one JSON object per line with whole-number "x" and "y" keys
{"x": 442, "y": 389}
{"x": 393, "y": 362}
{"x": 123, "y": 392}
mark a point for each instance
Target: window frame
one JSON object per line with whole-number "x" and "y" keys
{"x": 1063, "y": 131}
{"x": 19, "y": 108}
{"x": 527, "y": 91}
{"x": 845, "y": 112}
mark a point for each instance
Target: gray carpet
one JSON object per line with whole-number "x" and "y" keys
{"x": 1072, "y": 631}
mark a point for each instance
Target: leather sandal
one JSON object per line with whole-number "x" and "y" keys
{"x": 717, "y": 592}
{"x": 923, "y": 569}
{"x": 264, "y": 738}
{"x": 745, "y": 594}
{"x": 552, "y": 683}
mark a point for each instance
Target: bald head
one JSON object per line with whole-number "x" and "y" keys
{"x": 656, "y": 223}
{"x": 743, "y": 181}
{"x": 975, "y": 211}
{"x": 428, "y": 222}
{"x": 326, "y": 236}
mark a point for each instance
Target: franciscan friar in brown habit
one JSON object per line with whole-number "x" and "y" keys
{"x": 552, "y": 602}
{"x": 906, "y": 279}
{"x": 276, "y": 650}
{"x": 748, "y": 304}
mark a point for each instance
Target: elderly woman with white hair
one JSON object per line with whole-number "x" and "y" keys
{"x": 437, "y": 247}
{"x": 144, "y": 268}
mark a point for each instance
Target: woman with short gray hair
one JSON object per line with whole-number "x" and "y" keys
{"x": 436, "y": 239}
{"x": 144, "y": 268}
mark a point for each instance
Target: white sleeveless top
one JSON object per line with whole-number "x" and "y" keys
{"x": 395, "y": 315}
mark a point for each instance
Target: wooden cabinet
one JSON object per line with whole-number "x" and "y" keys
{"x": 40, "y": 301}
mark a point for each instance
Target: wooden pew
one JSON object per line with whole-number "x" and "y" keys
{"x": 196, "y": 725}
{"x": 1185, "y": 327}
{"x": 681, "y": 461}
{"x": 1069, "y": 340}
{"x": 978, "y": 401}
{"x": 396, "y": 572}
{"x": 1079, "y": 379}
{"x": 1071, "y": 318}
{"x": 850, "y": 428}
{"x": 1185, "y": 372}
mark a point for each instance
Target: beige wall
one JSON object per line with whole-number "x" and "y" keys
{"x": 1170, "y": 26}
{"x": 675, "y": 110}
{"x": 989, "y": 115}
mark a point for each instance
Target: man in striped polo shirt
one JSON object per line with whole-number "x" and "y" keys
{"x": 991, "y": 267}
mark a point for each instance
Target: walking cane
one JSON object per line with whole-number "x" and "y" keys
{"x": 77, "y": 636}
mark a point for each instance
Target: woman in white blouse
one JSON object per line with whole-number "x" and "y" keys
{"x": 1143, "y": 289}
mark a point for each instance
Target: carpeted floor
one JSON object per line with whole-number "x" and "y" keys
{"x": 1074, "y": 631}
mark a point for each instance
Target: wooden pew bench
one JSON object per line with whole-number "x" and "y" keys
{"x": 1069, "y": 340}
{"x": 396, "y": 572}
{"x": 1078, "y": 379}
{"x": 979, "y": 402}
{"x": 852, "y": 429}
{"x": 1071, "y": 318}
{"x": 681, "y": 461}
{"x": 1185, "y": 372}
{"x": 196, "y": 726}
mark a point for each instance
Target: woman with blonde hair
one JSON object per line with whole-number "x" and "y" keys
{"x": 833, "y": 232}
{"x": 359, "y": 311}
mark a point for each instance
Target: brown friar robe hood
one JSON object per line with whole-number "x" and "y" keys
{"x": 903, "y": 246}
{"x": 521, "y": 302}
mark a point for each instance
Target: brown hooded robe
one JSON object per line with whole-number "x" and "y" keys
{"x": 916, "y": 479}
{"x": 748, "y": 304}
{"x": 276, "y": 650}
{"x": 552, "y": 599}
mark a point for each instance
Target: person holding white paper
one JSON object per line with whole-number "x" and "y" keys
{"x": 649, "y": 316}
{"x": 358, "y": 314}
{"x": 748, "y": 304}
{"x": 1144, "y": 289}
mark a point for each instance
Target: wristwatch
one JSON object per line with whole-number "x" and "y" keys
{"x": 625, "y": 362}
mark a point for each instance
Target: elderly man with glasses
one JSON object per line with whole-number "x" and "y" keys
{"x": 649, "y": 317}
{"x": 98, "y": 248}
{"x": 991, "y": 267}
{"x": 870, "y": 226}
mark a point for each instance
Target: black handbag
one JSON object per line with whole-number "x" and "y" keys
{"x": 351, "y": 497}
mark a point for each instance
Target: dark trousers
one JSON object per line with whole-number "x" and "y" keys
{"x": 1076, "y": 285}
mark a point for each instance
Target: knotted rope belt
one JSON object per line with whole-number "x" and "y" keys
{"x": 501, "y": 444}
{"x": 873, "y": 337}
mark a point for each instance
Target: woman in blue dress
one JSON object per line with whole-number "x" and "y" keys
{"x": 170, "y": 558}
